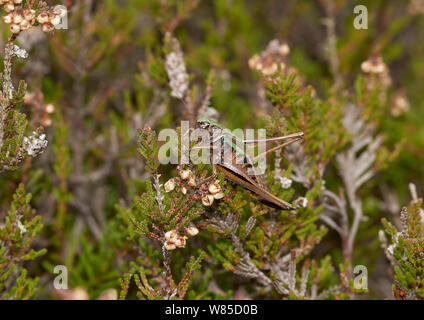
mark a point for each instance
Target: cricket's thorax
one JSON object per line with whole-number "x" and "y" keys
{"x": 230, "y": 157}
{"x": 228, "y": 147}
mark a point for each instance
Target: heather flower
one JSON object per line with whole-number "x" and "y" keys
{"x": 301, "y": 202}
{"x": 272, "y": 58}
{"x": 49, "y": 108}
{"x": 35, "y": 144}
{"x": 18, "y": 52}
{"x": 185, "y": 174}
{"x": 399, "y": 104}
{"x": 20, "y": 226}
{"x": 374, "y": 65}
{"x": 207, "y": 200}
{"x": 285, "y": 182}
{"x": 169, "y": 185}
{"x": 219, "y": 195}
{"x": 377, "y": 75}
{"x": 23, "y": 19}
{"x": 192, "y": 231}
{"x": 192, "y": 181}
{"x": 174, "y": 240}
{"x": 177, "y": 73}
{"x": 214, "y": 188}
{"x": 416, "y": 7}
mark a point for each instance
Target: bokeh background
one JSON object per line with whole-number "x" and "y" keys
{"x": 93, "y": 85}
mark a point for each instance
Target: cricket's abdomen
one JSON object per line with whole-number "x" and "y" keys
{"x": 235, "y": 175}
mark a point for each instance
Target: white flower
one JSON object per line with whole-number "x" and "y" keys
{"x": 301, "y": 202}
{"x": 207, "y": 200}
{"x": 18, "y": 52}
{"x": 170, "y": 246}
{"x": 214, "y": 188}
{"x": 34, "y": 145}
{"x": 42, "y": 18}
{"x": 180, "y": 242}
{"x": 49, "y": 108}
{"x": 21, "y": 227}
{"x": 60, "y": 11}
{"x": 219, "y": 195}
{"x": 171, "y": 235}
{"x": 177, "y": 73}
{"x": 15, "y": 28}
{"x": 173, "y": 240}
{"x": 422, "y": 215}
{"x": 192, "y": 181}
{"x": 285, "y": 182}
{"x": 7, "y": 19}
{"x": 11, "y": 91}
{"x": 192, "y": 231}
{"x": 393, "y": 246}
{"x": 55, "y": 20}
{"x": 170, "y": 185}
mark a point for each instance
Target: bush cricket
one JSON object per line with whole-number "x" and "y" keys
{"x": 237, "y": 166}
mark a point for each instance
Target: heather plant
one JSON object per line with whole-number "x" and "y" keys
{"x": 20, "y": 226}
{"x": 17, "y": 234}
{"x": 405, "y": 249}
{"x": 163, "y": 216}
{"x": 125, "y": 223}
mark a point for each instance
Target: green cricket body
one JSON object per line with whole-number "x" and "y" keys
{"x": 236, "y": 168}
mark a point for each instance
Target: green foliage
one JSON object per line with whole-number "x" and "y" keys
{"x": 12, "y": 123}
{"x": 148, "y": 148}
{"x": 62, "y": 168}
{"x": 154, "y": 214}
{"x": 16, "y": 236}
{"x": 297, "y": 110}
{"x": 106, "y": 209}
{"x": 407, "y": 248}
{"x": 94, "y": 267}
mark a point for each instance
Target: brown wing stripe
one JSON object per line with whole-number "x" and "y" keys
{"x": 233, "y": 174}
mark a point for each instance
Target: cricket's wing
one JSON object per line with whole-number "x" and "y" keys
{"x": 239, "y": 159}
{"x": 234, "y": 174}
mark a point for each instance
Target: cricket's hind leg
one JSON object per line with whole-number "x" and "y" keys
{"x": 212, "y": 177}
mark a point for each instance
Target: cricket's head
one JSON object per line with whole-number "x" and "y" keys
{"x": 205, "y": 123}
